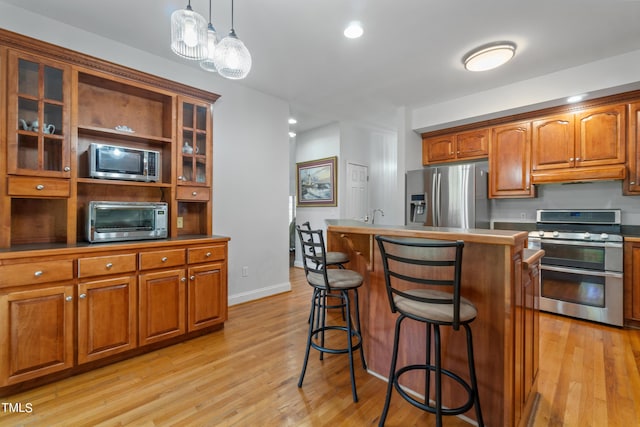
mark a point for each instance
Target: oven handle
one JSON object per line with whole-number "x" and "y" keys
{"x": 580, "y": 271}
{"x": 580, "y": 243}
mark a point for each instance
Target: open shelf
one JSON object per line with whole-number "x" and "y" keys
{"x": 121, "y": 135}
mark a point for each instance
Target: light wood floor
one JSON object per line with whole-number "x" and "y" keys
{"x": 246, "y": 375}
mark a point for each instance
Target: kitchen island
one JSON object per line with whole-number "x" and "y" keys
{"x": 499, "y": 275}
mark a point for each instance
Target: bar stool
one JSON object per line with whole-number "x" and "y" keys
{"x": 337, "y": 259}
{"x": 412, "y": 269}
{"x": 334, "y": 283}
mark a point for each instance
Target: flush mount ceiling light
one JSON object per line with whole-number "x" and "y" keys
{"x": 489, "y": 56}
{"x": 292, "y": 121}
{"x": 188, "y": 34}
{"x": 354, "y": 30}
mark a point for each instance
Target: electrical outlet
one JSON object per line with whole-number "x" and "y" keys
{"x": 245, "y": 271}
{"x": 523, "y": 215}
{"x": 180, "y": 222}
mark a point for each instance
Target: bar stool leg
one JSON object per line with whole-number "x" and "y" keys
{"x": 312, "y": 314}
{"x": 436, "y": 333}
{"x": 392, "y": 371}
{"x": 427, "y": 374}
{"x": 472, "y": 374}
{"x": 344, "y": 295}
{"x": 364, "y": 364}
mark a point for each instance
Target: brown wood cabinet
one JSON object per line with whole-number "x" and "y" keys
{"x": 64, "y": 302}
{"x": 107, "y": 317}
{"x": 584, "y": 146}
{"x": 632, "y": 283}
{"x": 458, "y": 146}
{"x": 36, "y": 331}
{"x": 631, "y": 185}
{"x": 510, "y": 161}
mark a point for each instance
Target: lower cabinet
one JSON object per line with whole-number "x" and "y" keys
{"x": 107, "y": 317}
{"x": 103, "y": 301}
{"x": 36, "y": 335}
{"x": 162, "y": 305}
{"x": 207, "y": 295}
{"x": 632, "y": 283}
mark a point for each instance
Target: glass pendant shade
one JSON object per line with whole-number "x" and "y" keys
{"x": 232, "y": 58}
{"x": 208, "y": 63}
{"x": 188, "y": 34}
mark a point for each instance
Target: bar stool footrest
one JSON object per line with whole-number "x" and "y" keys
{"x": 432, "y": 409}
{"x": 330, "y": 350}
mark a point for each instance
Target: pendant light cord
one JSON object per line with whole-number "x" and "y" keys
{"x": 232, "y": 16}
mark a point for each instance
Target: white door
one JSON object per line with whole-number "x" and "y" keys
{"x": 357, "y": 191}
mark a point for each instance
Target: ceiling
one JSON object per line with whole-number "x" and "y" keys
{"x": 410, "y": 53}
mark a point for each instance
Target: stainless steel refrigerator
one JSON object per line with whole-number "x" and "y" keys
{"x": 449, "y": 196}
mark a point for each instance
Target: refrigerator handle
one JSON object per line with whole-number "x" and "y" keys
{"x": 437, "y": 201}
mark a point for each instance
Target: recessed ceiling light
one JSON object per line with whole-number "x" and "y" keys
{"x": 575, "y": 98}
{"x": 489, "y": 56}
{"x": 292, "y": 134}
{"x": 292, "y": 121}
{"x": 354, "y": 30}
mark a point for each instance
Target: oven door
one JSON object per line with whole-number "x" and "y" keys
{"x": 586, "y": 294}
{"x": 599, "y": 256}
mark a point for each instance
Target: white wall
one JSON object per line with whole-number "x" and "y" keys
{"x": 251, "y": 154}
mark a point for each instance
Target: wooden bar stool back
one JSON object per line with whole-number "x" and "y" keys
{"x": 415, "y": 270}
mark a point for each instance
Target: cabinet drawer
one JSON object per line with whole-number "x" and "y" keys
{"x": 38, "y": 187}
{"x": 36, "y": 272}
{"x": 110, "y": 264}
{"x": 161, "y": 259}
{"x": 206, "y": 253}
{"x": 200, "y": 194}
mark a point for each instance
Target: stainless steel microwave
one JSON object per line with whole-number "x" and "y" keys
{"x": 132, "y": 164}
{"x": 108, "y": 221}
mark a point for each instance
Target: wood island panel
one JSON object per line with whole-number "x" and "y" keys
{"x": 491, "y": 274}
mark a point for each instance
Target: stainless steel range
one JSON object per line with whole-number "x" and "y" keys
{"x": 582, "y": 267}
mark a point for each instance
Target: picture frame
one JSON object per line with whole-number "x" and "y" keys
{"x": 317, "y": 182}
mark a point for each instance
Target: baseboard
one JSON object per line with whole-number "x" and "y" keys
{"x": 259, "y": 293}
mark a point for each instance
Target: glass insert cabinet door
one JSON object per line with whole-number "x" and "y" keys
{"x": 194, "y": 132}
{"x": 38, "y": 116}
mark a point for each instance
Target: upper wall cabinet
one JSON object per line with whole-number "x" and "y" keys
{"x": 631, "y": 184}
{"x": 510, "y": 161}
{"x": 584, "y": 146}
{"x": 457, "y": 146}
{"x": 38, "y": 116}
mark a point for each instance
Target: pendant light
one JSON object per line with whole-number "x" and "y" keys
{"x": 212, "y": 40}
{"x": 188, "y": 34}
{"x": 232, "y": 58}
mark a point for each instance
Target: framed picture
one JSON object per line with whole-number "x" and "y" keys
{"x": 317, "y": 180}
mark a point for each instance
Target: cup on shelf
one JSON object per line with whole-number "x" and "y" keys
{"x": 48, "y": 128}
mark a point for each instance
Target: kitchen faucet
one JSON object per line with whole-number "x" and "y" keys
{"x": 373, "y": 215}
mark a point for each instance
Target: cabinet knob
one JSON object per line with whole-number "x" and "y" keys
{"x": 67, "y": 169}
{"x": 69, "y": 298}
{"x": 632, "y": 183}
{"x": 571, "y": 159}
{"x": 192, "y": 277}
{"x": 164, "y": 259}
{"x": 208, "y": 254}
{"x": 82, "y": 296}
{"x": 184, "y": 279}
{"x": 577, "y": 159}
{"x": 109, "y": 265}
{"x": 39, "y": 187}
{"x": 195, "y": 193}
{"x": 38, "y": 273}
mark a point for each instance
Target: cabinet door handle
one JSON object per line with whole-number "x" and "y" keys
{"x": 184, "y": 279}
{"x": 38, "y": 273}
{"x": 195, "y": 193}
{"x": 39, "y": 187}
{"x": 164, "y": 259}
{"x": 632, "y": 183}
{"x": 192, "y": 277}
{"x": 109, "y": 265}
{"x": 82, "y": 296}
{"x": 208, "y": 254}
{"x": 69, "y": 298}
{"x": 571, "y": 159}
{"x": 67, "y": 169}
